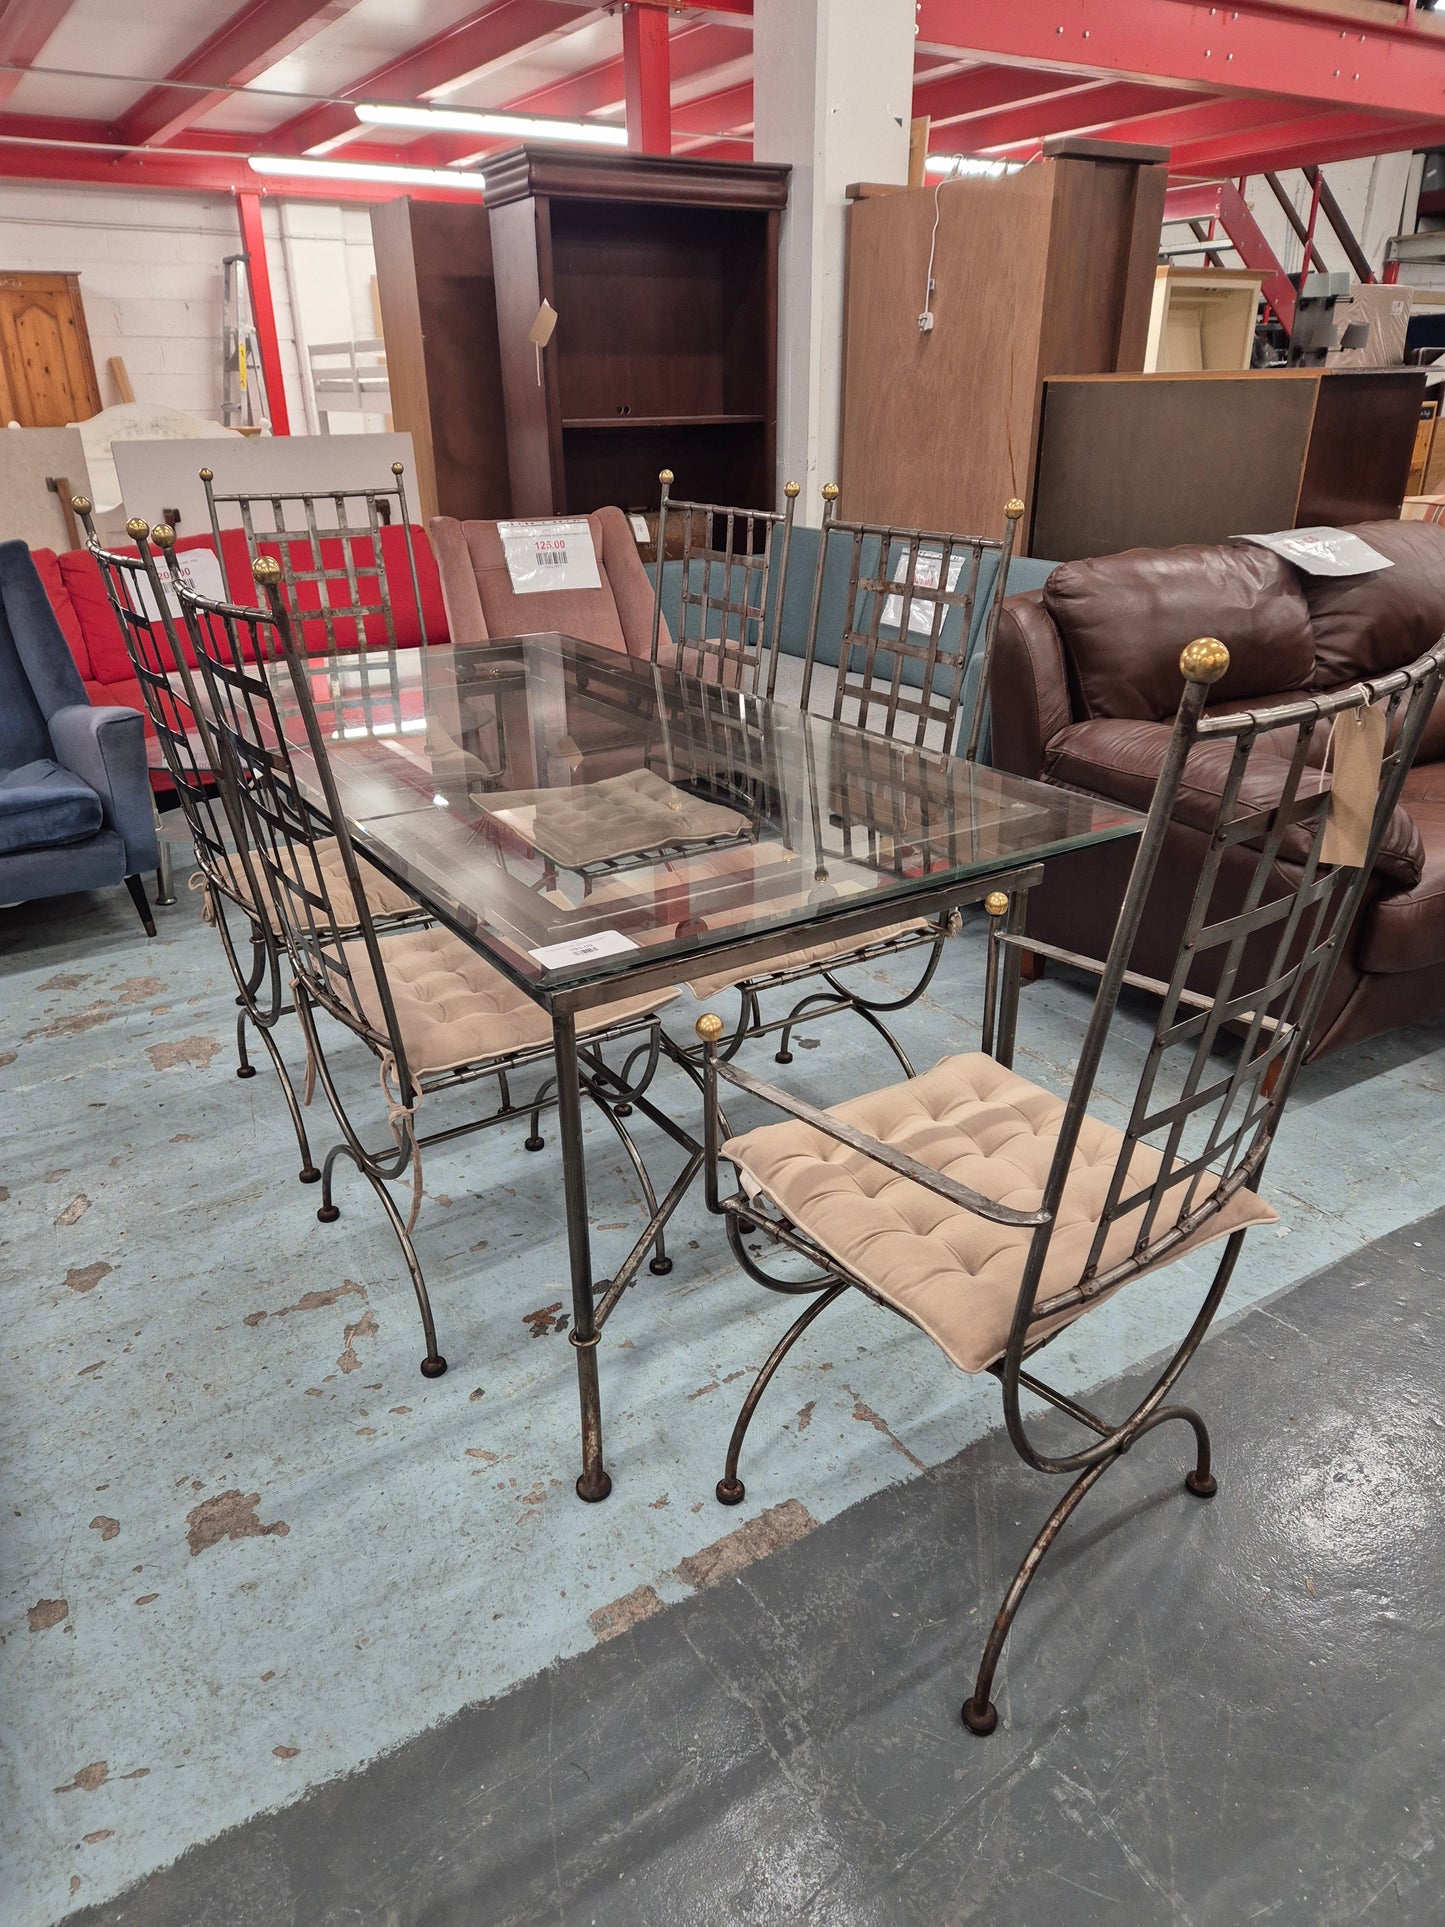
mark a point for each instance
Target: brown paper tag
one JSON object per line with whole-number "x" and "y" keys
{"x": 1357, "y": 748}
{"x": 541, "y": 330}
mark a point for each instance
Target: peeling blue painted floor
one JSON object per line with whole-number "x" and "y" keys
{"x": 247, "y": 1548}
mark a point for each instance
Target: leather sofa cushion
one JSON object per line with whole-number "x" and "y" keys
{"x": 43, "y": 806}
{"x": 954, "y": 1273}
{"x": 1122, "y": 760}
{"x": 1366, "y": 625}
{"x": 1125, "y": 618}
{"x": 1405, "y": 929}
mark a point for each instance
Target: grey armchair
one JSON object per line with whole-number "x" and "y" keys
{"x": 75, "y": 793}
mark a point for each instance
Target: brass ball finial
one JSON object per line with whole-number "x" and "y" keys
{"x": 830, "y": 491}
{"x": 996, "y": 903}
{"x": 266, "y": 569}
{"x": 1013, "y": 508}
{"x": 163, "y": 535}
{"x": 1204, "y": 660}
{"x": 398, "y": 468}
{"x": 790, "y": 489}
{"x": 208, "y": 474}
{"x": 137, "y": 528}
{"x": 709, "y": 1027}
{"x": 664, "y": 475}
{"x": 82, "y": 504}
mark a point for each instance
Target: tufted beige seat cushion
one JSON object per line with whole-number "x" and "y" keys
{"x": 625, "y": 815}
{"x": 453, "y": 1008}
{"x": 385, "y": 898}
{"x": 818, "y": 955}
{"x": 953, "y": 1273}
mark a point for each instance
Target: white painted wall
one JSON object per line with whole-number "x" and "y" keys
{"x": 832, "y": 94}
{"x": 150, "y": 282}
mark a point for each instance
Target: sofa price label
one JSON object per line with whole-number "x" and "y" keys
{"x": 543, "y": 556}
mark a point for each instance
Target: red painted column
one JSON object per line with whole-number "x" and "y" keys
{"x": 253, "y": 240}
{"x": 646, "y": 81}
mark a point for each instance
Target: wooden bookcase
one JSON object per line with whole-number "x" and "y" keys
{"x": 664, "y": 276}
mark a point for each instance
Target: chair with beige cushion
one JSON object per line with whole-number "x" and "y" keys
{"x": 992, "y": 1212}
{"x": 435, "y": 1015}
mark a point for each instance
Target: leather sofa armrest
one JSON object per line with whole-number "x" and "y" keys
{"x": 106, "y": 748}
{"x": 1119, "y": 759}
{"x": 1028, "y": 686}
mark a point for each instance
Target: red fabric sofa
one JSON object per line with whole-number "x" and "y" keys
{"x": 72, "y": 581}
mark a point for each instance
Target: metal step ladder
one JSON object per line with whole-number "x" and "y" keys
{"x": 243, "y": 384}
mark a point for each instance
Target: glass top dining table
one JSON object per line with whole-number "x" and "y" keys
{"x": 598, "y": 826}
{"x": 580, "y": 816}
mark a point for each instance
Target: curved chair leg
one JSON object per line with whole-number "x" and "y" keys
{"x": 534, "y": 1140}
{"x": 659, "y": 1264}
{"x": 978, "y": 1712}
{"x": 308, "y": 1173}
{"x": 783, "y": 1055}
{"x": 244, "y": 1066}
{"x": 433, "y": 1365}
{"x": 730, "y": 1488}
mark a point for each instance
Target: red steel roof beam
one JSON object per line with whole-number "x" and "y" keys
{"x": 1246, "y": 47}
{"x": 25, "y": 26}
{"x": 242, "y": 47}
{"x": 647, "y": 81}
{"x": 1076, "y": 112}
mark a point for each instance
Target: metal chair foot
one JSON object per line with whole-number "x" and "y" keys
{"x": 660, "y": 1267}
{"x": 534, "y": 1144}
{"x": 245, "y": 1070}
{"x": 594, "y": 1488}
{"x": 783, "y": 1057}
{"x": 1202, "y": 1488}
{"x": 328, "y": 1214}
{"x": 309, "y": 1174}
{"x": 979, "y": 1719}
{"x": 622, "y": 1110}
{"x": 730, "y": 1491}
{"x": 433, "y": 1367}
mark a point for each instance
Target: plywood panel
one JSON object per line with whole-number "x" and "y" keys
{"x": 937, "y": 427}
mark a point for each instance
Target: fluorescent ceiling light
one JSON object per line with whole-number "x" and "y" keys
{"x": 366, "y": 171}
{"x": 464, "y": 120}
{"x": 969, "y": 164}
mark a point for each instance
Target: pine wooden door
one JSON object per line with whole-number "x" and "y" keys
{"x": 47, "y": 376}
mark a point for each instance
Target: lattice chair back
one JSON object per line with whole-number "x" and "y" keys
{"x": 142, "y": 606}
{"x": 333, "y": 571}
{"x": 908, "y": 662}
{"x": 329, "y": 931}
{"x": 1219, "y": 1067}
{"x": 730, "y": 561}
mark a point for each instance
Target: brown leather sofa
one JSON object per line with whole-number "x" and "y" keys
{"x": 1085, "y": 683}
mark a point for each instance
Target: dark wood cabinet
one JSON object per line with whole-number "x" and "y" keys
{"x": 664, "y": 276}
{"x": 1146, "y": 461}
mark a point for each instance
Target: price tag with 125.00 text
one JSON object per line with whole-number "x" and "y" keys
{"x": 549, "y": 555}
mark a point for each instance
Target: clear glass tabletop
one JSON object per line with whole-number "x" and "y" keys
{"x": 578, "y": 813}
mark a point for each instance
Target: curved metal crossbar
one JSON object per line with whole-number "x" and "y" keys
{"x": 338, "y": 959}
{"x": 1216, "y": 1076}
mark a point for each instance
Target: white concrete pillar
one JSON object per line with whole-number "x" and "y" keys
{"x": 832, "y": 96}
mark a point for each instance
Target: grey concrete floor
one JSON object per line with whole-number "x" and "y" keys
{"x": 1212, "y": 1712}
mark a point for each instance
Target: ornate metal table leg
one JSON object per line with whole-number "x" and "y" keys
{"x": 165, "y": 882}
{"x": 594, "y": 1483}
{"x": 1008, "y": 996}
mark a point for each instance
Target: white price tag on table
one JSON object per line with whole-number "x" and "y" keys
{"x": 602, "y": 943}
{"x": 198, "y": 571}
{"x": 549, "y": 555}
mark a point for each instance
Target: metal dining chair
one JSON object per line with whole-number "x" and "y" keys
{"x": 991, "y": 1212}
{"x": 433, "y": 1013}
{"x": 909, "y": 642}
{"x": 728, "y": 560}
{"x": 167, "y": 678}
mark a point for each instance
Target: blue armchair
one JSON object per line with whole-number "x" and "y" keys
{"x": 75, "y": 793}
